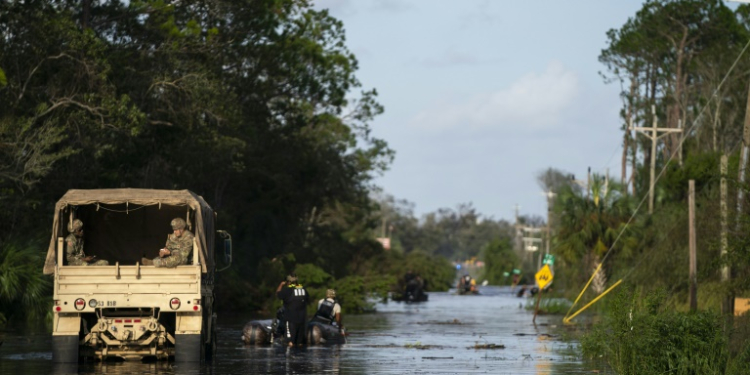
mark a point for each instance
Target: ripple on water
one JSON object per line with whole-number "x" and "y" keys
{"x": 449, "y": 334}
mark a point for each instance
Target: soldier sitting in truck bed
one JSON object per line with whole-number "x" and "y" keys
{"x": 179, "y": 247}
{"x": 74, "y": 247}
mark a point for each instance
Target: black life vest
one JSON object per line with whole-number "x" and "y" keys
{"x": 325, "y": 311}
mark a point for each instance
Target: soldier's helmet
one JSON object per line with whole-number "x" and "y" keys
{"x": 330, "y": 293}
{"x": 75, "y": 226}
{"x": 178, "y": 223}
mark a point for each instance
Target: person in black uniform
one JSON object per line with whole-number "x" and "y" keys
{"x": 295, "y": 299}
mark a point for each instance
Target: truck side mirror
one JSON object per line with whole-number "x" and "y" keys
{"x": 227, "y": 248}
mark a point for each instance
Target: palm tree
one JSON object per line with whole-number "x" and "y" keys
{"x": 24, "y": 290}
{"x": 589, "y": 222}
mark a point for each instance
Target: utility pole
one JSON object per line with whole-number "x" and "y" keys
{"x": 606, "y": 183}
{"x": 653, "y": 135}
{"x": 529, "y": 243}
{"x": 519, "y": 234}
{"x": 549, "y": 195}
{"x": 679, "y": 147}
{"x": 691, "y": 241}
{"x": 743, "y": 159}
{"x": 726, "y": 306}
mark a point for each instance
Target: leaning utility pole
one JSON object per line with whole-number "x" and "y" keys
{"x": 652, "y": 134}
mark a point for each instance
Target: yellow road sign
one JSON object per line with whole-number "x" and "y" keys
{"x": 544, "y": 276}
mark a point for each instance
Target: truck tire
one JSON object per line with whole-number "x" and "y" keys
{"x": 187, "y": 348}
{"x": 65, "y": 349}
{"x": 210, "y": 349}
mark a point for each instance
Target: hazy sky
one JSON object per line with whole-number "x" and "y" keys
{"x": 482, "y": 95}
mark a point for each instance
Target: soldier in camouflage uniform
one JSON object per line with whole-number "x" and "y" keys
{"x": 74, "y": 247}
{"x": 179, "y": 247}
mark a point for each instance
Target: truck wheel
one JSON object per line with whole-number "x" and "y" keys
{"x": 210, "y": 348}
{"x": 188, "y": 348}
{"x": 65, "y": 349}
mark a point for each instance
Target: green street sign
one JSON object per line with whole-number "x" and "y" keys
{"x": 549, "y": 259}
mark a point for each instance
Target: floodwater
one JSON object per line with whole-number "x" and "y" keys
{"x": 449, "y": 334}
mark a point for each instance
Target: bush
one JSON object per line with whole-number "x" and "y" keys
{"x": 499, "y": 258}
{"x": 24, "y": 290}
{"x": 641, "y": 337}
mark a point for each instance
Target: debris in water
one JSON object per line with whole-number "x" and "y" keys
{"x": 487, "y": 346}
{"x": 535, "y": 334}
{"x": 417, "y": 345}
{"x": 454, "y": 321}
{"x": 437, "y": 357}
{"x": 420, "y": 346}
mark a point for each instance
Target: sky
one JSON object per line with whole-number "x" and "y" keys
{"x": 481, "y": 96}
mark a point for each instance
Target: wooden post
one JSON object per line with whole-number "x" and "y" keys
{"x": 536, "y": 308}
{"x": 691, "y": 240}
{"x": 652, "y": 180}
{"x": 724, "y": 217}
{"x": 744, "y": 153}
{"x": 653, "y": 134}
{"x": 682, "y": 134}
{"x": 727, "y": 305}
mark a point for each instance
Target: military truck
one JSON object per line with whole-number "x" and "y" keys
{"x": 128, "y": 310}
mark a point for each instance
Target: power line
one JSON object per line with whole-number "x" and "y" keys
{"x": 672, "y": 155}
{"x": 664, "y": 168}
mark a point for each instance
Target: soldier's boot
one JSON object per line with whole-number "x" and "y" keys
{"x": 147, "y": 262}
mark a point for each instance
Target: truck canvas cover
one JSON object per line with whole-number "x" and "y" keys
{"x": 124, "y": 225}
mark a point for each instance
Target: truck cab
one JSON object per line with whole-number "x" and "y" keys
{"x": 126, "y": 309}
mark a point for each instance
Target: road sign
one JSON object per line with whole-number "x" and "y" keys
{"x": 549, "y": 259}
{"x": 385, "y": 241}
{"x": 544, "y": 277}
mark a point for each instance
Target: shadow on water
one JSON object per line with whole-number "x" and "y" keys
{"x": 449, "y": 334}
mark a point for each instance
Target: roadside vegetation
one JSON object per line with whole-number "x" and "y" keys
{"x": 256, "y": 106}
{"x": 680, "y": 64}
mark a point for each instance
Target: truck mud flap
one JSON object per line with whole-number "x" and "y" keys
{"x": 65, "y": 349}
{"x": 187, "y": 348}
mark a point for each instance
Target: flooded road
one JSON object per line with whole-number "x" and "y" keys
{"x": 449, "y": 334}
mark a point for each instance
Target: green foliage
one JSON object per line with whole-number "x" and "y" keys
{"x": 436, "y": 271}
{"x": 701, "y": 167}
{"x": 646, "y": 338}
{"x": 357, "y": 294}
{"x": 589, "y": 224}
{"x": 24, "y": 290}
{"x": 254, "y": 105}
{"x": 499, "y": 259}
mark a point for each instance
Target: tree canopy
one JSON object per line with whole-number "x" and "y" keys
{"x": 252, "y": 104}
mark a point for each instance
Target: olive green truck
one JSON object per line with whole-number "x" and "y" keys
{"x": 125, "y": 309}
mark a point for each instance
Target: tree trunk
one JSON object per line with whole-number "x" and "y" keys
{"x": 86, "y": 14}
{"x": 673, "y": 116}
{"x": 628, "y": 123}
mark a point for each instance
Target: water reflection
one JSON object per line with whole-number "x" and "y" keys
{"x": 285, "y": 360}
